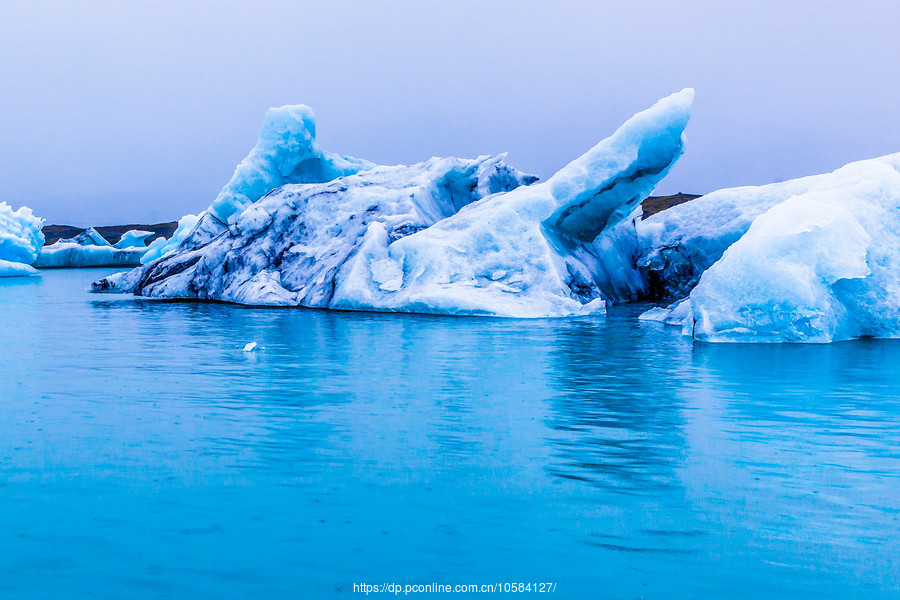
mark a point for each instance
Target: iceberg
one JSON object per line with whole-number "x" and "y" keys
{"x": 286, "y": 152}
{"x": 810, "y": 260}
{"x": 21, "y": 240}
{"x": 90, "y": 249}
{"x": 449, "y": 235}
{"x": 133, "y": 238}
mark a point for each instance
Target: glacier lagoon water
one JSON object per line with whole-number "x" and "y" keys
{"x": 143, "y": 454}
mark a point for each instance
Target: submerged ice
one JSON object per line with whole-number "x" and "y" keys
{"x": 299, "y": 226}
{"x": 21, "y": 240}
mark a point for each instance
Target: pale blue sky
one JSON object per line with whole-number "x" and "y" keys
{"x": 116, "y": 112}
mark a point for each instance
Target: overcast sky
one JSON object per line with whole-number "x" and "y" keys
{"x": 139, "y": 111}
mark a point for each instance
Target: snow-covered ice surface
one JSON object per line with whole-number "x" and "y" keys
{"x": 810, "y": 260}
{"x": 445, "y": 236}
{"x": 21, "y": 240}
{"x": 90, "y": 249}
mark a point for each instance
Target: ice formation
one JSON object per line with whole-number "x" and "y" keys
{"x": 21, "y": 240}
{"x": 133, "y": 238}
{"x": 446, "y": 236}
{"x": 811, "y": 260}
{"x": 90, "y": 249}
{"x": 286, "y": 152}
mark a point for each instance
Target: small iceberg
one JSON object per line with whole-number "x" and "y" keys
{"x": 21, "y": 240}
{"x": 90, "y": 249}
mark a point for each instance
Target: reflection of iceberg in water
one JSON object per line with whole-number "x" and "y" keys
{"x": 621, "y": 424}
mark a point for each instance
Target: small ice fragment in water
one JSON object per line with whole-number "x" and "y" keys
{"x": 249, "y": 347}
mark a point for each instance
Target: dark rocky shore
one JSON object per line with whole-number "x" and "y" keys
{"x": 111, "y": 233}
{"x": 655, "y": 204}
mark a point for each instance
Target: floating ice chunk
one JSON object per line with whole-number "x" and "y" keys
{"x": 657, "y": 314}
{"x": 250, "y": 346}
{"x": 820, "y": 266}
{"x": 447, "y": 236}
{"x": 134, "y": 238}
{"x": 677, "y": 313}
{"x": 87, "y": 249}
{"x": 21, "y": 239}
{"x": 16, "y": 269}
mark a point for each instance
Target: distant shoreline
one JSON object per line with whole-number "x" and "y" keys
{"x": 112, "y": 233}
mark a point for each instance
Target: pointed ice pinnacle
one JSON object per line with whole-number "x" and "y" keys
{"x": 285, "y": 152}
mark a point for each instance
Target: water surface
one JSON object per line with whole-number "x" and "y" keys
{"x": 143, "y": 454}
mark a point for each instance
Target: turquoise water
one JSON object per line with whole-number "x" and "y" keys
{"x": 144, "y": 455}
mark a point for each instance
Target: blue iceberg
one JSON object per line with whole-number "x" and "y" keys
{"x": 450, "y": 235}
{"x": 21, "y": 240}
{"x": 90, "y": 249}
{"x": 810, "y": 260}
{"x": 814, "y": 259}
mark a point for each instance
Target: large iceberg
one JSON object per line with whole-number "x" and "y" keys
{"x": 21, "y": 240}
{"x": 811, "y": 260}
{"x": 446, "y": 236}
{"x": 90, "y": 249}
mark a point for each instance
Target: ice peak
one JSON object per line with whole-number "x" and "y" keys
{"x": 604, "y": 185}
